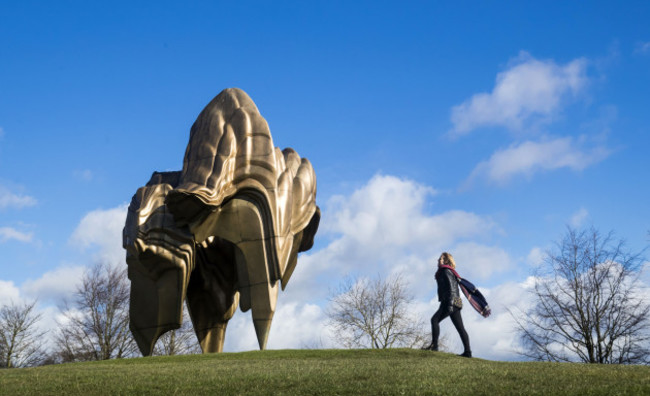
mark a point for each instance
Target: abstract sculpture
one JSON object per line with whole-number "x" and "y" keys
{"x": 220, "y": 233}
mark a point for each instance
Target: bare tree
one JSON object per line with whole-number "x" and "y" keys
{"x": 181, "y": 341}
{"x": 373, "y": 313}
{"x": 96, "y": 323}
{"x": 588, "y": 303}
{"x": 21, "y": 343}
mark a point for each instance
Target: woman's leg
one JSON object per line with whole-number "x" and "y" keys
{"x": 435, "y": 328}
{"x": 457, "y": 320}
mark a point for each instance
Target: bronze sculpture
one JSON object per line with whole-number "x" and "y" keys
{"x": 220, "y": 233}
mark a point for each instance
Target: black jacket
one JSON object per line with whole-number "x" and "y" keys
{"x": 448, "y": 292}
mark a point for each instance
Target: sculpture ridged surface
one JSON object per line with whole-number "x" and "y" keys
{"x": 223, "y": 231}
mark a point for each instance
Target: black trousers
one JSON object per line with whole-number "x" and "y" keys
{"x": 456, "y": 319}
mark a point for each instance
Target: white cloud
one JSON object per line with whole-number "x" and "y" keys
{"x": 54, "y": 285}
{"x": 8, "y": 293}
{"x": 579, "y": 217}
{"x": 530, "y": 89}
{"x": 535, "y": 257}
{"x": 479, "y": 262}
{"x": 390, "y": 212}
{"x": 102, "y": 229}
{"x": 9, "y": 199}
{"x": 527, "y": 158}
{"x": 359, "y": 214}
{"x": 51, "y": 316}
{"x": 8, "y": 233}
{"x": 297, "y": 326}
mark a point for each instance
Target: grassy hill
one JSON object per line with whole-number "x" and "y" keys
{"x": 325, "y": 372}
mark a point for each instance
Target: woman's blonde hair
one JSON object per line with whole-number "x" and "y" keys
{"x": 448, "y": 259}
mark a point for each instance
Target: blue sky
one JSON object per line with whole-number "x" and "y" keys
{"x": 482, "y": 129}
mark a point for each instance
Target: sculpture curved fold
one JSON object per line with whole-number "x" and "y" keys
{"x": 223, "y": 231}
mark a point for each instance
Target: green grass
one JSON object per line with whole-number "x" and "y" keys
{"x": 325, "y": 372}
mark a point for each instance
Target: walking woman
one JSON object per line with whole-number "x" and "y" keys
{"x": 450, "y": 303}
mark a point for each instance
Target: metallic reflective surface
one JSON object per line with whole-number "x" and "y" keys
{"x": 225, "y": 231}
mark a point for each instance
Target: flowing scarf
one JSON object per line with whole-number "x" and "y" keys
{"x": 474, "y": 296}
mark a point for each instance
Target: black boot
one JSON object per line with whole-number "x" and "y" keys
{"x": 467, "y": 354}
{"x": 430, "y": 347}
